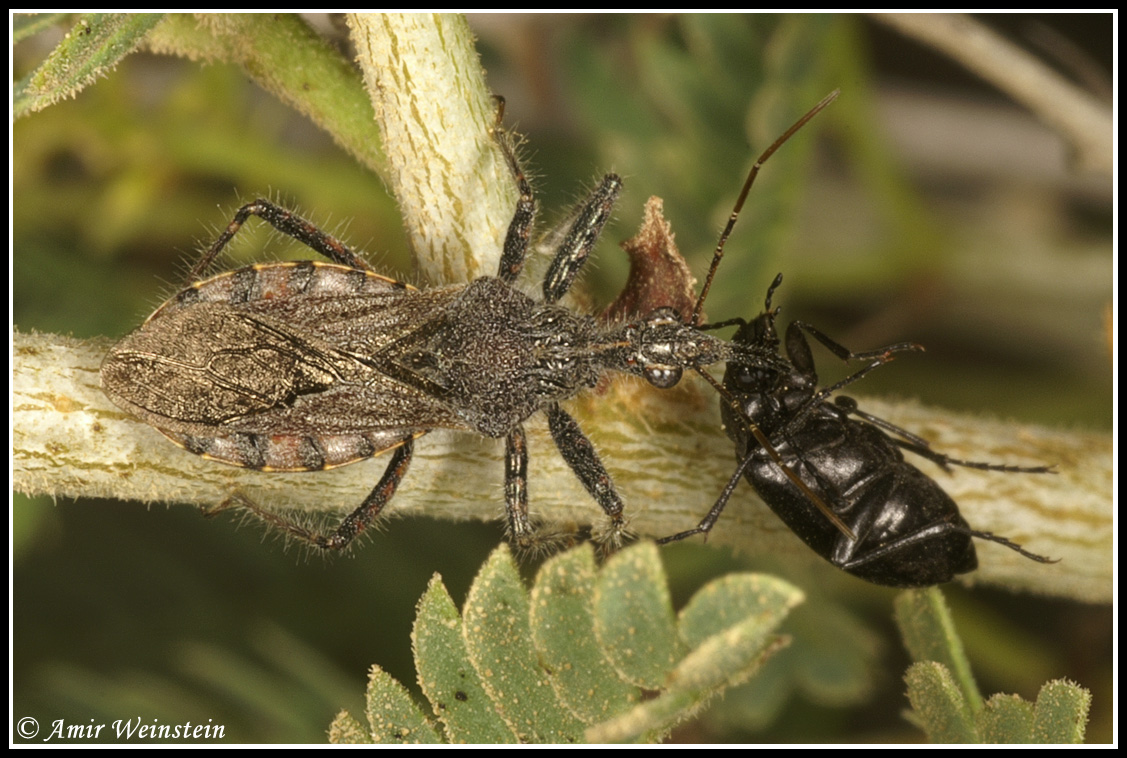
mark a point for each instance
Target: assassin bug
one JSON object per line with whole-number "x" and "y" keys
{"x": 307, "y": 365}
{"x": 904, "y": 530}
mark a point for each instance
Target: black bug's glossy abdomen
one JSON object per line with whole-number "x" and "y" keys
{"x": 836, "y": 475}
{"x": 909, "y": 531}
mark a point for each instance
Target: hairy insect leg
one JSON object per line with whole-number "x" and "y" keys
{"x": 521, "y": 531}
{"x": 287, "y": 223}
{"x": 523, "y": 535}
{"x": 580, "y": 455}
{"x": 515, "y": 249}
{"x": 357, "y": 521}
{"x": 586, "y": 224}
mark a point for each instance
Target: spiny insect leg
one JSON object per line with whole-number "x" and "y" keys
{"x": 515, "y": 249}
{"x": 516, "y": 487}
{"x": 580, "y": 455}
{"x": 357, "y": 521}
{"x": 579, "y": 240}
{"x": 287, "y": 223}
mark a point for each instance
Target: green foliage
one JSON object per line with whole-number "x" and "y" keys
{"x": 94, "y": 46}
{"x": 107, "y": 187}
{"x": 571, "y": 660}
{"x": 949, "y": 707}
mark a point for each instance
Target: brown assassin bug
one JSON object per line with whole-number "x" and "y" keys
{"x": 307, "y": 365}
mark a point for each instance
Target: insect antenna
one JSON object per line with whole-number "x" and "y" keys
{"x": 755, "y": 431}
{"x": 743, "y": 197}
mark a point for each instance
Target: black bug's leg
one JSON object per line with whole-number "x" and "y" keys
{"x": 879, "y": 553}
{"x": 1010, "y": 544}
{"x": 580, "y": 238}
{"x": 577, "y": 451}
{"x": 287, "y": 223}
{"x": 929, "y": 534}
{"x": 849, "y": 406}
{"x": 841, "y": 351}
{"x": 706, "y": 523}
{"x": 945, "y": 461}
{"x": 770, "y": 449}
{"x": 824, "y": 393}
{"x": 921, "y": 447}
{"x": 515, "y": 250}
{"x": 357, "y": 521}
{"x": 798, "y": 350}
{"x": 516, "y": 487}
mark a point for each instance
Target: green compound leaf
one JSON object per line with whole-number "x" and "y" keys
{"x": 94, "y": 46}
{"x": 727, "y": 627}
{"x": 929, "y": 634}
{"x": 1004, "y": 718}
{"x": 728, "y": 624}
{"x": 544, "y": 666}
{"x": 27, "y": 25}
{"x": 1061, "y": 713}
{"x": 939, "y": 704}
{"x": 498, "y": 637}
{"x": 446, "y": 676}
{"x": 758, "y": 603}
{"x": 393, "y": 717}
{"x": 287, "y": 58}
{"x": 563, "y": 630}
{"x": 831, "y": 660}
{"x": 1058, "y": 717}
{"x": 346, "y": 730}
{"x": 950, "y": 709}
{"x": 634, "y": 617}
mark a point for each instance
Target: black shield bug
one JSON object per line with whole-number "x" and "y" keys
{"x": 895, "y": 526}
{"x": 307, "y": 365}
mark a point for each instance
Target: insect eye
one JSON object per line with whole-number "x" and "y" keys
{"x": 664, "y": 316}
{"x": 662, "y": 377}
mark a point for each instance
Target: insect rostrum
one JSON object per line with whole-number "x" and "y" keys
{"x": 310, "y": 365}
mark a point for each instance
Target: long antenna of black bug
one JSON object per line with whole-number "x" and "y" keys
{"x": 743, "y": 197}
{"x": 756, "y": 432}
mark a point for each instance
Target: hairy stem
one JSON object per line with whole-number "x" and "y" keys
{"x": 665, "y": 450}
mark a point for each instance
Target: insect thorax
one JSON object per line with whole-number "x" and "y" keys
{"x": 499, "y": 356}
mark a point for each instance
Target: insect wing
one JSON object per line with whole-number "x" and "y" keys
{"x": 279, "y": 366}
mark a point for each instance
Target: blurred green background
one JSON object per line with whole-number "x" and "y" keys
{"x": 927, "y": 209}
